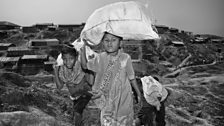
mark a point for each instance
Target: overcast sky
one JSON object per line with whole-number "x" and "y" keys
{"x": 198, "y": 16}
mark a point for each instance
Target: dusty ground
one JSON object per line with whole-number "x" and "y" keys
{"x": 196, "y": 97}
{"x": 202, "y": 102}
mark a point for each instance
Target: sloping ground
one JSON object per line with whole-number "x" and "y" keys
{"x": 201, "y": 53}
{"x": 17, "y": 38}
{"x": 197, "y": 97}
{"x": 34, "y": 100}
{"x": 20, "y": 94}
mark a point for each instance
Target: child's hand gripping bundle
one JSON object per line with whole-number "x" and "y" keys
{"x": 153, "y": 91}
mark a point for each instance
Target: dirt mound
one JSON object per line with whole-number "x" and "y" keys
{"x": 196, "y": 88}
{"x": 22, "y": 118}
{"x": 10, "y": 78}
{"x": 17, "y": 38}
{"x": 18, "y": 93}
{"x": 197, "y": 96}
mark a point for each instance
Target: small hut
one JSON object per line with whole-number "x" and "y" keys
{"x": 32, "y": 64}
{"x": 174, "y": 30}
{"x": 177, "y": 43}
{"x": 218, "y": 41}
{"x": 133, "y": 48}
{"x": 48, "y": 66}
{"x": 41, "y": 43}
{"x": 43, "y": 26}
{"x": 9, "y": 63}
{"x": 162, "y": 28}
{"x": 69, "y": 27}
{"x": 52, "y": 28}
{"x": 5, "y": 46}
{"x": 3, "y": 34}
{"x": 200, "y": 40}
{"x": 19, "y": 51}
{"x": 29, "y": 29}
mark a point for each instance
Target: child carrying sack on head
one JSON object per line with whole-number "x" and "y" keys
{"x": 154, "y": 95}
{"x": 114, "y": 79}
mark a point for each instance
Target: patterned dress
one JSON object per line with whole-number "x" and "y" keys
{"x": 112, "y": 80}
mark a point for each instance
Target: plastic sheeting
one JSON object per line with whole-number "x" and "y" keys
{"x": 152, "y": 89}
{"x": 124, "y": 19}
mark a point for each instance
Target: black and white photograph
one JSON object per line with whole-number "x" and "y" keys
{"x": 111, "y": 63}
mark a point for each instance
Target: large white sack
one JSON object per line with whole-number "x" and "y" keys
{"x": 125, "y": 19}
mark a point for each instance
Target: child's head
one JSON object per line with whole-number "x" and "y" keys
{"x": 69, "y": 55}
{"x": 111, "y": 43}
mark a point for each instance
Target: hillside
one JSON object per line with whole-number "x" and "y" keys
{"x": 192, "y": 73}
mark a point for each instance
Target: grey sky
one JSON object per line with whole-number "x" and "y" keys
{"x": 198, "y": 16}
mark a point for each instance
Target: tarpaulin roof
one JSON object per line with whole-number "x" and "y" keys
{"x": 34, "y": 57}
{"x": 18, "y": 48}
{"x": 6, "y": 44}
{"x": 44, "y": 40}
{"x": 9, "y": 59}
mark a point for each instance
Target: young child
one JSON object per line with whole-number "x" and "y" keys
{"x": 76, "y": 79}
{"x": 112, "y": 89}
{"x": 152, "y": 112}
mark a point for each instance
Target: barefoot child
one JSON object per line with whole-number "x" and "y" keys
{"x": 115, "y": 77}
{"x": 76, "y": 79}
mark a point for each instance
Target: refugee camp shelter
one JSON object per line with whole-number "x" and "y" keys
{"x": 5, "y": 25}
{"x": 161, "y": 29}
{"x": 19, "y": 51}
{"x": 187, "y": 32}
{"x": 52, "y": 28}
{"x": 200, "y": 39}
{"x": 34, "y": 59}
{"x": 29, "y": 29}
{"x": 32, "y": 64}
{"x": 218, "y": 41}
{"x": 39, "y": 43}
{"x": 5, "y": 46}
{"x": 69, "y": 27}
{"x": 174, "y": 30}
{"x": 133, "y": 48}
{"x": 3, "y": 34}
{"x": 219, "y": 45}
{"x": 9, "y": 63}
{"x": 43, "y": 26}
{"x": 48, "y": 66}
{"x": 177, "y": 43}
